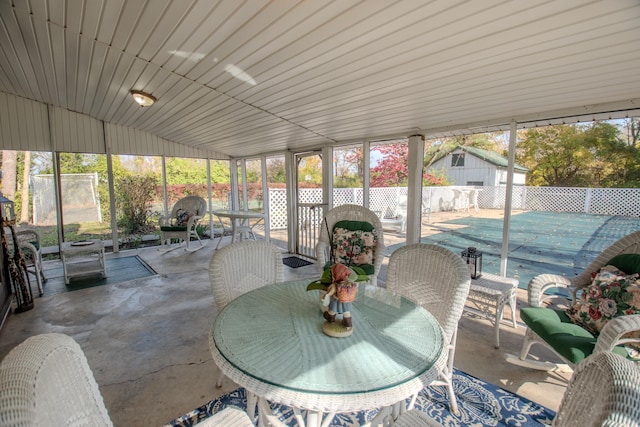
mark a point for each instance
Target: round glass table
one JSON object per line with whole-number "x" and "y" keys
{"x": 270, "y": 341}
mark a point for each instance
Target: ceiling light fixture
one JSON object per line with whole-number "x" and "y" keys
{"x": 142, "y": 98}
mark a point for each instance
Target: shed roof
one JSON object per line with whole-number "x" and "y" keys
{"x": 486, "y": 155}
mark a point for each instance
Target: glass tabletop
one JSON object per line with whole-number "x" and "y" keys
{"x": 274, "y": 334}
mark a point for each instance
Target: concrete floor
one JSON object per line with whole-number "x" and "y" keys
{"x": 146, "y": 339}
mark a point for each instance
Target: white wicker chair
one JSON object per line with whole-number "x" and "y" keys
{"x": 538, "y": 295}
{"x": 46, "y": 381}
{"x": 29, "y": 241}
{"x": 438, "y": 280}
{"x": 228, "y": 417}
{"x": 194, "y": 205}
{"x": 351, "y": 213}
{"x": 604, "y": 391}
{"x": 241, "y": 267}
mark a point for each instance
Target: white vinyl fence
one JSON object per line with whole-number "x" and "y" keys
{"x": 603, "y": 201}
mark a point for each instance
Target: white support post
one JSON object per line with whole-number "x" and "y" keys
{"x": 210, "y": 202}
{"x": 292, "y": 196}
{"x": 414, "y": 195}
{"x": 327, "y": 177}
{"x": 265, "y": 199}
{"x": 233, "y": 169}
{"x": 513, "y": 138}
{"x": 366, "y": 160}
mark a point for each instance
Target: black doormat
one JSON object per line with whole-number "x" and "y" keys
{"x": 119, "y": 270}
{"x": 295, "y": 262}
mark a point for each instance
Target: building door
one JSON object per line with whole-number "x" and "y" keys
{"x": 309, "y": 198}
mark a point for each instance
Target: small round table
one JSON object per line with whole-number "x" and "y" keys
{"x": 270, "y": 341}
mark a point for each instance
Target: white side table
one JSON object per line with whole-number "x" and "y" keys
{"x": 489, "y": 294}
{"x": 82, "y": 258}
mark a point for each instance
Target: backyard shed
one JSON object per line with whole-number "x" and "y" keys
{"x": 477, "y": 167}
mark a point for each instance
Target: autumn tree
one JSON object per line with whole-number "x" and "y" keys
{"x": 592, "y": 155}
{"x": 393, "y": 168}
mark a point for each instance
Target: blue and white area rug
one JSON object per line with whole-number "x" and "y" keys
{"x": 481, "y": 404}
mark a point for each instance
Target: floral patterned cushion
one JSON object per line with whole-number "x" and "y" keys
{"x": 612, "y": 293}
{"x": 182, "y": 218}
{"x": 353, "y": 247}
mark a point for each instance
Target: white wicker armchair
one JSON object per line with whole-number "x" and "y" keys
{"x": 29, "y": 241}
{"x": 195, "y": 207}
{"x": 350, "y": 213}
{"x": 438, "y": 280}
{"x": 228, "y": 417}
{"x": 46, "y": 381}
{"x": 540, "y": 295}
{"x": 241, "y": 267}
{"x": 604, "y": 391}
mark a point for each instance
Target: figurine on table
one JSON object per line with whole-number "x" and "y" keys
{"x": 339, "y": 287}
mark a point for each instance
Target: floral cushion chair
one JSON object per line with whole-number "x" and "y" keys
{"x": 599, "y": 310}
{"x": 351, "y": 235}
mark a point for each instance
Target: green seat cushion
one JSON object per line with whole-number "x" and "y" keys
{"x": 354, "y": 225}
{"x": 173, "y": 228}
{"x": 629, "y": 263}
{"x": 556, "y": 329}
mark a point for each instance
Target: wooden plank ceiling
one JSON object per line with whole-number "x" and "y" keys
{"x": 250, "y": 77}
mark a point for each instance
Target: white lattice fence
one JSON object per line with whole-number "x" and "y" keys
{"x": 385, "y": 200}
{"x": 277, "y": 209}
{"x": 557, "y": 200}
{"x": 614, "y": 201}
{"x": 344, "y": 196}
{"x": 601, "y": 201}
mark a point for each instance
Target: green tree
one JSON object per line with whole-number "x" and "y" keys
{"x": 185, "y": 171}
{"x": 593, "y": 155}
{"x": 276, "y": 171}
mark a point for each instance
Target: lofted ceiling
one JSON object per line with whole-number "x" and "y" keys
{"x": 251, "y": 77}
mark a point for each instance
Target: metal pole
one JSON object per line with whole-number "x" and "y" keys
{"x": 513, "y": 137}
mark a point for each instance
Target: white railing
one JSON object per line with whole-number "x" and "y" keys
{"x": 602, "y": 201}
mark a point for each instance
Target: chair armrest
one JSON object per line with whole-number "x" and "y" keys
{"x": 27, "y": 236}
{"x": 613, "y": 331}
{"x": 164, "y": 221}
{"x": 193, "y": 221}
{"x": 540, "y": 284}
{"x": 29, "y": 251}
{"x": 379, "y": 258}
{"x": 323, "y": 251}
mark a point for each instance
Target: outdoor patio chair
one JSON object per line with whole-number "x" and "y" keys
{"x": 228, "y": 417}
{"x": 438, "y": 280}
{"x": 182, "y": 224}
{"x": 603, "y": 391}
{"x": 549, "y": 324}
{"x": 356, "y": 222}
{"x": 399, "y": 219}
{"x": 47, "y": 381}
{"x": 29, "y": 241}
{"x": 241, "y": 267}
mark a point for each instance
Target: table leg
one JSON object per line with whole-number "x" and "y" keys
{"x": 64, "y": 268}
{"x": 499, "y": 310}
{"x": 102, "y": 264}
{"x": 314, "y": 418}
{"x": 234, "y": 227}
